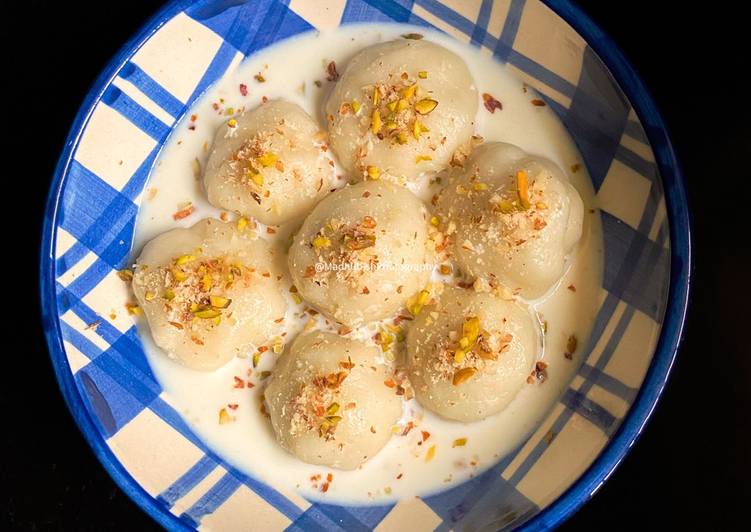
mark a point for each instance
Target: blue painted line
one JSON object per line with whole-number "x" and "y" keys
{"x": 556, "y": 107}
{"x": 137, "y": 181}
{"x": 637, "y": 163}
{"x": 211, "y": 500}
{"x": 539, "y": 72}
{"x": 481, "y": 26}
{"x": 393, "y": 10}
{"x": 189, "y": 480}
{"x": 608, "y": 382}
{"x": 215, "y": 70}
{"x": 100, "y": 229}
{"x": 103, "y": 216}
{"x": 79, "y": 341}
{"x": 135, "y": 114}
{"x": 152, "y": 89}
{"x": 448, "y": 15}
{"x": 589, "y": 410}
{"x": 504, "y": 46}
{"x": 635, "y": 131}
{"x": 351, "y": 518}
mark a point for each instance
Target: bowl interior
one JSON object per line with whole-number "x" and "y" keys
{"x": 118, "y": 403}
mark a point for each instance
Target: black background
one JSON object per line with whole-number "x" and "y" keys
{"x": 690, "y": 468}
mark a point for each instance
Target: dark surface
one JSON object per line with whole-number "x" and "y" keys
{"x": 690, "y": 467}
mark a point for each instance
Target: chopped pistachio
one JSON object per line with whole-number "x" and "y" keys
{"x": 332, "y": 409}
{"x": 219, "y": 301}
{"x": 471, "y": 329}
{"x": 463, "y": 375}
{"x": 522, "y": 189}
{"x": 232, "y": 122}
{"x": 459, "y": 355}
{"x": 430, "y": 454}
{"x": 277, "y": 346}
{"x": 421, "y": 158}
{"x": 435, "y": 221}
{"x": 242, "y": 223}
{"x": 196, "y": 167}
{"x": 419, "y": 302}
{"x": 418, "y": 129}
{"x": 321, "y": 242}
{"x": 256, "y": 178}
{"x": 185, "y": 259}
{"x": 459, "y": 442}
{"x": 374, "y": 173}
{"x": 422, "y": 74}
{"x": 392, "y": 106}
{"x": 375, "y": 125}
{"x": 267, "y": 159}
{"x": 125, "y": 275}
{"x": 256, "y": 359}
{"x": 425, "y": 106}
{"x": 402, "y": 137}
{"x": 133, "y": 309}
{"x": 224, "y": 417}
{"x": 376, "y": 96}
{"x": 207, "y": 282}
{"x": 402, "y": 104}
{"x": 506, "y": 206}
{"x": 479, "y": 186}
{"x": 356, "y": 106}
{"x": 409, "y": 92}
{"x": 150, "y": 295}
{"x": 169, "y": 294}
{"x": 207, "y": 313}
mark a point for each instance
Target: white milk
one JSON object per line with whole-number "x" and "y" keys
{"x": 248, "y": 442}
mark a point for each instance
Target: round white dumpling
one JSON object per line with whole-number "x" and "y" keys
{"x": 268, "y": 163}
{"x": 328, "y": 402}
{"x": 469, "y": 354}
{"x": 209, "y": 292}
{"x": 362, "y": 252}
{"x": 512, "y": 217}
{"x": 401, "y": 109}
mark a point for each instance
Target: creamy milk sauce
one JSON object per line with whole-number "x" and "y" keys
{"x": 291, "y": 70}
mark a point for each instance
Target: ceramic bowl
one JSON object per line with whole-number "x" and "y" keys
{"x": 125, "y": 120}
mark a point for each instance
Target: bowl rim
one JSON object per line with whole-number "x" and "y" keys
{"x": 671, "y": 334}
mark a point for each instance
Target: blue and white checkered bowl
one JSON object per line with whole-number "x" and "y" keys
{"x": 144, "y": 443}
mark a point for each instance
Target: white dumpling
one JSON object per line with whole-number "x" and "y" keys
{"x": 480, "y": 379}
{"x": 268, "y": 163}
{"x": 209, "y": 292}
{"x": 401, "y": 108}
{"x": 506, "y": 230}
{"x": 328, "y": 402}
{"x": 369, "y": 242}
